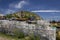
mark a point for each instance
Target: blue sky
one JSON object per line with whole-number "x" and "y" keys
{"x": 48, "y": 9}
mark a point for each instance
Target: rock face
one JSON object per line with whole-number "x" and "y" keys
{"x": 23, "y": 15}
{"x": 42, "y": 28}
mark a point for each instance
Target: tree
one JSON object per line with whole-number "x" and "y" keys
{"x": 8, "y": 16}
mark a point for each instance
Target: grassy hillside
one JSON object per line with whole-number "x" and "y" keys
{"x": 23, "y": 15}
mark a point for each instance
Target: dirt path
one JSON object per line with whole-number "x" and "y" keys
{"x": 1, "y": 38}
{"x": 4, "y": 38}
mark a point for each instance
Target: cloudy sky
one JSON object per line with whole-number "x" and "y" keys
{"x": 48, "y": 9}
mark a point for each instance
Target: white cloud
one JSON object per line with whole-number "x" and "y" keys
{"x": 46, "y": 11}
{"x": 15, "y": 6}
{"x": 18, "y": 5}
{"x": 8, "y": 11}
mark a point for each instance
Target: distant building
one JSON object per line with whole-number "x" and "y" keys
{"x": 2, "y": 16}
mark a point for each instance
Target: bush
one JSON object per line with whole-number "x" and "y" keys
{"x": 18, "y": 33}
{"x": 33, "y": 37}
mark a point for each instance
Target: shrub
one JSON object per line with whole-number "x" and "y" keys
{"x": 18, "y": 33}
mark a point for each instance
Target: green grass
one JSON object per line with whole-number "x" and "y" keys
{"x": 7, "y": 36}
{"x": 32, "y": 37}
{"x": 11, "y": 37}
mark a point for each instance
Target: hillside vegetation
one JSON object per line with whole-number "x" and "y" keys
{"x": 23, "y": 15}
